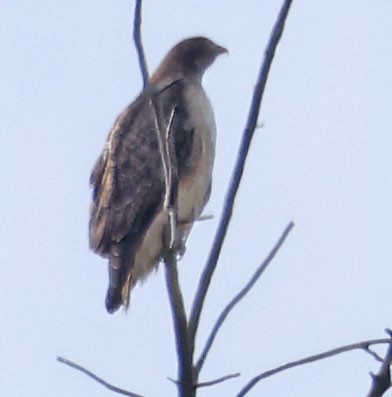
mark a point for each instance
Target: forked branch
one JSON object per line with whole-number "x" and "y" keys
{"x": 381, "y": 382}
{"x": 364, "y": 345}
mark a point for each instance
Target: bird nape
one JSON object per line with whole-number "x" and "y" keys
{"x": 127, "y": 214}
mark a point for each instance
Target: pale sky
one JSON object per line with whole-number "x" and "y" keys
{"x": 322, "y": 159}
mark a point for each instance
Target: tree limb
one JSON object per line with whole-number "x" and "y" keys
{"x": 137, "y": 37}
{"x": 374, "y": 355}
{"x": 216, "y": 381}
{"x": 364, "y": 345}
{"x": 219, "y": 322}
{"x": 97, "y": 378}
{"x": 210, "y": 382}
{"x": 180, "y": 323}
{"x": 237, "y": 173}
{"x": 382, "y": 381}
{"x": 184, "y": 354}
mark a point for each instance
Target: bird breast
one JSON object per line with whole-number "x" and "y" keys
{"x": 194, "y": 188}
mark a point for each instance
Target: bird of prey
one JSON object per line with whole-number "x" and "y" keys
{"x": 127, "y": 214}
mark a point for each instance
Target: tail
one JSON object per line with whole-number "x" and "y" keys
{"x": 113, "y": 296}
{"x": 121, "y": 261}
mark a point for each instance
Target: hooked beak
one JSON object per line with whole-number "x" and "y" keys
{"x": 221, "y": 50}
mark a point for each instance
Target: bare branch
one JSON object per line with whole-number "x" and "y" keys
{"x": 96, "y": 378}
{"x": 137, "y": 37}
{"x": 382, "y": 381}
{"x": 172, "y": 180}
{"x": 241, "y": 294}
{"x": 211, "y": 382}
{"x": 204, "y": 218}
{"x": 237, "y": 173}
{"x": 169, "y": 167}
{"x": 180, "y": 323}
{"x": 216, "y": 381}
{"x": 364, "y": 345}
{"x": 184, "y": 353}
{"x": 374, "y": 355}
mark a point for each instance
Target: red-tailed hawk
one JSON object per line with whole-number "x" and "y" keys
{"x": 127, "y": 219}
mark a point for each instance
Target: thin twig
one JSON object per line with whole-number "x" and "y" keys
{"x": 237, "y": 173}
{"x": 137, "y": 37}
{"x": 320, "y": 356}
{"x": 169, "y": 167}
{"x": 219, "y": 322}
{"x": 170, "y": 194}
{"x": 202, "y": 218}
{"x": 382, "y": 381}
{"x": 97, "y": 378}
{"x": 166, "y": 157}
{"x": 374, "y": 355}
{"x": 210, "y": 382}
{"x": 216, "y": 381}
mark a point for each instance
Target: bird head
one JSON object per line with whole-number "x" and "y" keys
{"x": 190, "y": 58}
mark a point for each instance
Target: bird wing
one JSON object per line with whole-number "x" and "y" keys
{"x": 128, "y": 179}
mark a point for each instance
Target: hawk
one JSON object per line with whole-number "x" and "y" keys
{"x": 127, "y": 214}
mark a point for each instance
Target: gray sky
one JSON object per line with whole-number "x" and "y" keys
{"x": 322, "y": 160}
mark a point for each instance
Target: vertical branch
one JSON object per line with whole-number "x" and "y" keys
{"x": 180, "y": 322}
{"x": 170, "y": 202}
{"x": 137, "y": 37}
{"x": 185, "y": 367}
{"x": 238, "y": 171}
{"x": 169, "y": 165}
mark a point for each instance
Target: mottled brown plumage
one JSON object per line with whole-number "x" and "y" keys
{"x": 126, "y": 217}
